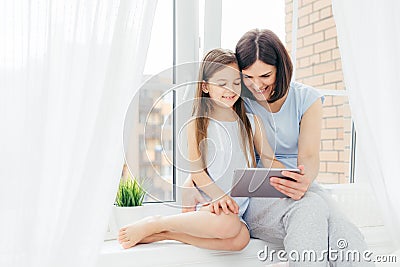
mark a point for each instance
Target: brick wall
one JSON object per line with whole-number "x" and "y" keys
{"x": 318, "y": 64}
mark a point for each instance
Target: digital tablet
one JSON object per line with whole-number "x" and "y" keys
{"x": 254, "y": 182}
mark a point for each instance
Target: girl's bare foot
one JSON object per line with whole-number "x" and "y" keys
{"x": 153, "y": 238}
{"x": 132, "y": 234}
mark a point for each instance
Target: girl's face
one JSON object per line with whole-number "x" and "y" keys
{"x": 224, "y": 86}
{"x": 260, "y": 78}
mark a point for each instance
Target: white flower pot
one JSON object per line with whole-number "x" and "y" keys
{"x": 128, "y": 215}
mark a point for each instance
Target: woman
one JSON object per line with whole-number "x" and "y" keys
{"x": 292, "y": 116}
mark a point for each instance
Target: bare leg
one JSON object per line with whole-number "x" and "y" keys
{"x": 201, "y": 223}
{"x": 234, "y": 243}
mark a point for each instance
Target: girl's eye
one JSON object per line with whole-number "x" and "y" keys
{"x": 222, "y": 84}
{"x": 236, "y": 83}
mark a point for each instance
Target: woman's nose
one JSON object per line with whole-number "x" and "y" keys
{"x": 257, "y": 83}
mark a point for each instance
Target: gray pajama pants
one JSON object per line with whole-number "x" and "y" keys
{"x": 306, "y": 229}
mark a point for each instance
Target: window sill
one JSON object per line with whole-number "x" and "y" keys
{"x": 354, "y": 199}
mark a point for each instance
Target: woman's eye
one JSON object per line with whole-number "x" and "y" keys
{"x": 222, "y": 84}
{"x": 236, "y": 83}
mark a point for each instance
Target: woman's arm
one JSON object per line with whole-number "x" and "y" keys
{"x": 310, "y": 139}
{"x": 261, "y": 144}
{"x": 308, "y": 154}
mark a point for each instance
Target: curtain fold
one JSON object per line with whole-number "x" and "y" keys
{"x": 369, "y": 42}
{"x": 68, "y": 70}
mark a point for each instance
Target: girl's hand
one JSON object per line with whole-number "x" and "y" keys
{"x": 294, "y": 190}
{"x": 226, "y": 203}
{"x": 190, "y": 196}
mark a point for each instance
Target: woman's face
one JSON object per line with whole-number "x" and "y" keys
{"x": 260, "y": 78}
{"x": 224, "y": 86}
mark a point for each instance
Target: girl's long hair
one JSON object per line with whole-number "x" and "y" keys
{"x": 214, "y": 61}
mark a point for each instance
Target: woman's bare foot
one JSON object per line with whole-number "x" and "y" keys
{"x": 132, "y": 234}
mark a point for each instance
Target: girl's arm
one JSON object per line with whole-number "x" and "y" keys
{"x": 197, "y": 173}
{"x": 202, "y": 180}
{"x": 267, "y": 155}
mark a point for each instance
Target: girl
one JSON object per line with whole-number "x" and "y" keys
{"x": 223, "y": 141}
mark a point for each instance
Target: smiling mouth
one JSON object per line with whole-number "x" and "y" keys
{"x": 261, "y": 91}
{"x": 229, "y": 97}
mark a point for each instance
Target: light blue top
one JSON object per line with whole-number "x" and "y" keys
{"x": 283, "y": 127}
{"x": 225, "y": 154}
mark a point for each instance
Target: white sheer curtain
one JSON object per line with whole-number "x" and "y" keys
{"x": 369, "y": 42}
{"x": 67, "y": 72}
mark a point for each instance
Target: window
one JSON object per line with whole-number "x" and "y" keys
{"x": 336, "y": 140}
{"x": 318, "y": 64}
{"x": 238, "y": 17}
{"x": 149, "y": 145}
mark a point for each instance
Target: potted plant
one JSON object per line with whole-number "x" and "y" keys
{"x": 129, "y": 201}
{"x": 130, "y": 193}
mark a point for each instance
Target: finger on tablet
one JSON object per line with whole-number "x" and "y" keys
{"x": 224, "y": 207}
{"x": 216, "y": 208}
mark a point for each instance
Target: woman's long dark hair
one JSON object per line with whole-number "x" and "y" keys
{"x": 264, "y": 45}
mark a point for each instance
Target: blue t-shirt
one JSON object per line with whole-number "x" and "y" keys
{"x": 283, "y": 127}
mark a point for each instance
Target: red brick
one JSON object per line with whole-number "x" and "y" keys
{"x": 329, "y": 156}
{"x": 324, "y": 24}
{"x": 304, "y": 72}
{"x": 329, "y": 112}
{"x": 344, "y": 155}
{"x": 328, "y": 101}
{"x": 325, "y": 45}
{"x": 305, "y": 10}
{"x": 289, "y": 7}
{"x": 328, "y": 86}
{"x": 328, "y": 134}
{"x": 313, "y": 38}
{"x": 335, "y": 53}
{"x": 336, "y": 122}
{"x": 327, "y": 144}
{"x": 326, "y": 12}
{"x": 324, "y": 67}
{"x": 314, "y": 59}
{"x": 304, "y": 62}
{"x": 334, "y": 76}
{"x": 335, "y": 167}
{"x": 330, "y": 32}
{"x": 317, "y": 5}
{"x": 304, "y": 51}
{"x": 304, "y": 31}
{"x": 314, "y": 17}
{"x": 303, "y": 21}
{"x": 326, "y": 56}
{"x": 315, "y": 80}
{"x": 322, "y": 166}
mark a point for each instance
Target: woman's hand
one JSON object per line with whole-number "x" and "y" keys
{"x": 294, "y": 190}
{"x": 226, "y": 203}
{"x": 190, "y": 196}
